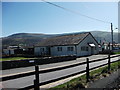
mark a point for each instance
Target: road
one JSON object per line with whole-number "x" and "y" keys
{"x": 24, "y": 69}
{"x": 26, "y": 81}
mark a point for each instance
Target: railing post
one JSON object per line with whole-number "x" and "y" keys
{"x": 36, "y": 81}
{"x": 87, "y": 70}
{"x": 108, "y": 62}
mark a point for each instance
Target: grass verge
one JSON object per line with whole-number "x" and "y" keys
{"x": 13, "y": 58}
{"x": 80, "y": 82}
{"x": 116, "y": 53}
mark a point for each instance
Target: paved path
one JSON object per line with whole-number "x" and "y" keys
{"x": 26, "y": 81}
{"x": 112, "y": 81}
{"x": 116, "y": 82}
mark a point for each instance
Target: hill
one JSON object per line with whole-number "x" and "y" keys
{"x": 105, "y": 36}
{"x": 30, "y": 39}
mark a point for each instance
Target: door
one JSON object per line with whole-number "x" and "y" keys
{"x": 92, "y": 50}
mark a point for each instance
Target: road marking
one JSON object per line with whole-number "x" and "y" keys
{"x": 39, "y": 69}
{"x": 15, "y": 74}
{"x": 48, "y": 68}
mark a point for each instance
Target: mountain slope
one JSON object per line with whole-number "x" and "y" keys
{"x": 104, "y": 36}
{"x": 28, "y": 39}
{"x": 31, "y": 39}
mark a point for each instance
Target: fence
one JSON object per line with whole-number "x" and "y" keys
{"x": 37, "y": 72}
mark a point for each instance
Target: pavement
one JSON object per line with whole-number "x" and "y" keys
{"x": 111, "y": 81}
{"x": 115, "y": 83}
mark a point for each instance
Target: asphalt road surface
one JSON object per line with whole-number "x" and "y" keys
{"x": 26, "y": 81}
{"x": 24, "y": 69}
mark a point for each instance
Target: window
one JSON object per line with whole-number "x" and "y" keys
{"x": 59, "y": 48}
{"x": 70, "y": 48}
{"x": 84, "y": 48}
{"x": 42, "y": 49}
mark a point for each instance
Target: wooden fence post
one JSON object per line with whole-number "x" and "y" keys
{"x": 87, "y": 70}
{"x": 36, "y": 81}
{"x": 108, "y": 62}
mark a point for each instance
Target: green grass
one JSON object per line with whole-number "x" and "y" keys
{"x": 80, "y": 82}
{"x": 13, "y": 58}
{"x": 116, "y": 53}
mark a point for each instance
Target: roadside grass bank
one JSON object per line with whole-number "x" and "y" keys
{"x": 80, "y": 82}
{"x": 13, "y": 58}
{"x": 116, "y": 53}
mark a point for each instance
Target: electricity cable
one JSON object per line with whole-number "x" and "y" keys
{"x": 72, "y": 11}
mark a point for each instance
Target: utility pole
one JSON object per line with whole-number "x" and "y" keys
{"x": 112, "y": 34}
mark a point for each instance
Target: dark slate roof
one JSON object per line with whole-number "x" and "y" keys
{"x": 71, "y": 39}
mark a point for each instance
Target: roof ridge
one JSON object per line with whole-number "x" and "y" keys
{"x": 70, "y": 39}
{"x": 72, "y": 34}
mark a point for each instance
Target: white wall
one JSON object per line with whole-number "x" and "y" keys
{"x": 38, "y": 52}
{"x": 64, "y": 52}
{"x": 12, "y": 51}
{"x": 85, "y": 42}
{"x": 8, "y": 51}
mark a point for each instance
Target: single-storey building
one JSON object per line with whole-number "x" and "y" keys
{"x": 8, "y": 51}
{"x": 80, "y": 44}
{"x": 12, "y": 50}
{"x": 107, "y": 46}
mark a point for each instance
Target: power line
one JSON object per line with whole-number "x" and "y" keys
{"x": 72, "y": 11}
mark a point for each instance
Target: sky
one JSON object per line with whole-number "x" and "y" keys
{"x": 41, "y": 17}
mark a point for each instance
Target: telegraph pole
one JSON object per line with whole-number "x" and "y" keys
{"x": 112, "y": 34}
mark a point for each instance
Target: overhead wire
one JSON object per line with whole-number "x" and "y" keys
{"x": 72, "y": 11}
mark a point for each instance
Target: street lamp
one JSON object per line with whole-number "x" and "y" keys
{"x": 117, "y": 38}
{"x": 118, "y": 33}
{"x": 112, "y": 34}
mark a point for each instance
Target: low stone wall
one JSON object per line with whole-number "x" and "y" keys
{"x": 32, "y": 62}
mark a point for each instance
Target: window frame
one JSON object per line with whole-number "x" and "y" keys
{"x": 70, "y": 48}
{"x": 59, "y": 49}
{"x": 42, "y": 49}
{"x": 84, "y": 48}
